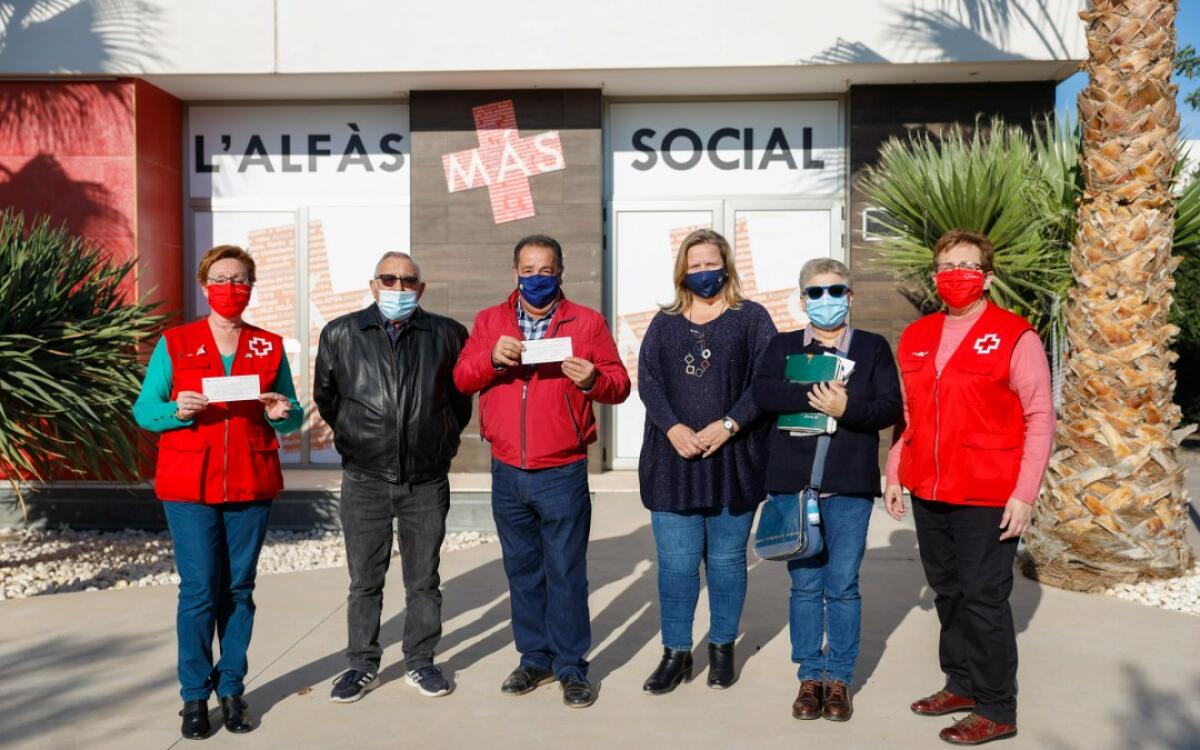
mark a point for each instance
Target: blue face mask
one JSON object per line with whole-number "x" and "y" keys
{"x": 706, "y": 284}
{"x": 538, "y": 290}
{"x": 397, "y": 305}
{"x": 828, "y": 312}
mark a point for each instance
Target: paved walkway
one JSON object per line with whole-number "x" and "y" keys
{"x": 95, "y": 670}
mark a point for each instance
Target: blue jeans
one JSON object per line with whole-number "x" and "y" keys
{"x": 718, "y": 538}
{"x": 825, "y": 602}
{"x": 216, "y": 553}
{"x": 543, "y": 518}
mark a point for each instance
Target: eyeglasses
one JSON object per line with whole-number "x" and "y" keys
{"x": 837, "y": 291}
{"x": 229, "y": 279}
{"x": 390, "y": 280}
{"x": 957, "y": 267}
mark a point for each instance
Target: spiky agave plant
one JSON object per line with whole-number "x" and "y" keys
{"x": 992, "y": 181}
{"x": 69, "y": 365}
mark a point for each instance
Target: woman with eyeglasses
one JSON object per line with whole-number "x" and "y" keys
{"x": 979, "y": 416}
{"x": 216, "y": 473}
{"x": 825, "y": 605}
{"x": 703, "y": 452}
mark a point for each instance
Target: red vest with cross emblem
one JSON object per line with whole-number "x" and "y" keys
{"x": 966, "y": 430}
{"x": 230, "y": 452}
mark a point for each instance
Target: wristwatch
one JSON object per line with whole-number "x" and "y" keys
{"x": 729, "y": 425}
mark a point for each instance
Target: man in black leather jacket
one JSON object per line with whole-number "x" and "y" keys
{"x": 384, "y": 382}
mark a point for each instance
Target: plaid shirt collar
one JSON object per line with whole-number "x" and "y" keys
{"x": 534, "y": 330}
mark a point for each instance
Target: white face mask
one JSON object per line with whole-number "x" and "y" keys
{"x": 397, "y": 305}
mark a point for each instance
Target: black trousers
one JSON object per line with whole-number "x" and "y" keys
{"x": 369, "y": 508}
{"x": 971, "y": 573}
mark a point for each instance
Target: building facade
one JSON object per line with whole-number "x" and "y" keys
{"x": 319, "y": 136}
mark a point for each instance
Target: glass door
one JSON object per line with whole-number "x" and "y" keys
{"x": 646, "y": 238}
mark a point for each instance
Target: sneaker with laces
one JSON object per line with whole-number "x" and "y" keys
{"x": 352, "y": 685}
{"x": 429, "y": 680}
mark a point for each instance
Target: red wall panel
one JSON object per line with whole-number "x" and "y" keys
{"x": 105, "y": 157}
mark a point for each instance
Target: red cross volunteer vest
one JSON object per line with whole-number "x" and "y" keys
{"x": 230, "y": 453}
{"x": 966, "y": 430}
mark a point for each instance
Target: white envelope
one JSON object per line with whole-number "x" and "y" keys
{"x": 235, "y": 388}
{"x": 546, "y": 350}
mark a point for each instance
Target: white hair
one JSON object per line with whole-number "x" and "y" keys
{"x": 397, "y": 254}
{"x": 818, "y": 266}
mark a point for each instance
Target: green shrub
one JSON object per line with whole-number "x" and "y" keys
{"x": 69, "y": 365}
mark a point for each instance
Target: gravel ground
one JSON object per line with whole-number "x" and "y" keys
{"x": 35, "y": 562}
{"x": 1177, "y": 594}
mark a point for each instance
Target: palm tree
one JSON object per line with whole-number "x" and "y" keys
{"x": 1114, "y": 506}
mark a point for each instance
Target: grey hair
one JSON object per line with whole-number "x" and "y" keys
{"x": 818, "y": 266}
{"x": 397, "y": 254}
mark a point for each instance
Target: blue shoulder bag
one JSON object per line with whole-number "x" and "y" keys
{"x": 789, "y": 525}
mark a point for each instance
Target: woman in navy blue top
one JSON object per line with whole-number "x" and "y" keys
{"x": 825, "y": 605}
{"x": 703, "y": 451}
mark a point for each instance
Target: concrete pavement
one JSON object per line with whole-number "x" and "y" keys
{"x": 96, "y": 669}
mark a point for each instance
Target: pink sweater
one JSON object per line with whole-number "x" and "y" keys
{"x": 1029, "y": 377}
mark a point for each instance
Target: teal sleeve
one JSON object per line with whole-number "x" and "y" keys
{"x": 284, "y": 385}
{"x": 154, "y": 410}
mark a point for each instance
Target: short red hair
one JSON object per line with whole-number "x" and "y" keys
{"x": 222, "y": 252}
{"x": 956, "y": 237}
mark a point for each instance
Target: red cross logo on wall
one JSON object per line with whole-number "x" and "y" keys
{"x": 504, "y": 161}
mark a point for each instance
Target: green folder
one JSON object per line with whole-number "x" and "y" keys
{"x": 809, "y": 368}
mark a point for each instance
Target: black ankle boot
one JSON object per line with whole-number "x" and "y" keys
{"x": 675, "y": 667}
{"x": 195, "y": 720}
{"x": 235, "y": 715}
{"x": 720, "y": 665}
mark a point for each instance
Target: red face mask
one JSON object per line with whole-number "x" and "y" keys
{"x": 228, "y": 300}
{"x": 959, "y": 287}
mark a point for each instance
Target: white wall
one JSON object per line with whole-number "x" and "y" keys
{"x": 318, "y": 36}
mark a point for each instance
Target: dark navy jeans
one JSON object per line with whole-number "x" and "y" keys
{"x": 216, "y": 553}
{"x": 543, "y": 518}
{"x": 825, "y": 601}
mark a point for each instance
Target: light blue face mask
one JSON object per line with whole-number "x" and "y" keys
{"x": 828, "y": 312}
{"x": 397, "y": 305}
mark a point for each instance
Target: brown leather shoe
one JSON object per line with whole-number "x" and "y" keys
{"x": 837, "y": 702}
{"x": 941, "y": 703}
{"x": 808, "y": 702}
{"x": 974, "y": 729}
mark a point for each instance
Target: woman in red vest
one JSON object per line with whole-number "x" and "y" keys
{"x": 217, "y": 472}
{"x": 980, "y": 428}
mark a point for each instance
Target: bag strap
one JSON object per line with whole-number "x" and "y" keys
{"x": 818, "y": 466}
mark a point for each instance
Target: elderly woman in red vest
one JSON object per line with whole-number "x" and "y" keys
{"x": 980, "y": 427}
{"x": 217, "y": 472}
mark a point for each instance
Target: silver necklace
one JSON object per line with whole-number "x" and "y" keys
{"x": 699, "y": 357}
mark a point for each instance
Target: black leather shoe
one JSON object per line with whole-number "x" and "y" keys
{"x": 195, "y": 720}
{"x": 234, "y": 710}
{"x": 675, "y": 667}
{"x": 578, "y": 692}
{"x": 525, "y": 679}
{"x": 720, "y": 666}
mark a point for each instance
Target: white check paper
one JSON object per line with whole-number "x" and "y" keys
{"x": 546, "y": 350}
{"x": 235, "y": 388}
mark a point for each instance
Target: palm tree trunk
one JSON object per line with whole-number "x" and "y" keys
{"x": 1114, "y": 506}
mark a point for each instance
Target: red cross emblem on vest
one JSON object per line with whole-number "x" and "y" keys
{"x": 260, "y": 346}
{"x": 503, "y": 162}
{"x": 987, "y": 343}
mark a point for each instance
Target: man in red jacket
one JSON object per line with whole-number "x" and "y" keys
{"x": 538, "y": 419}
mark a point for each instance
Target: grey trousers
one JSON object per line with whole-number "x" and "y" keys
{"x": 368, "y": 508}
